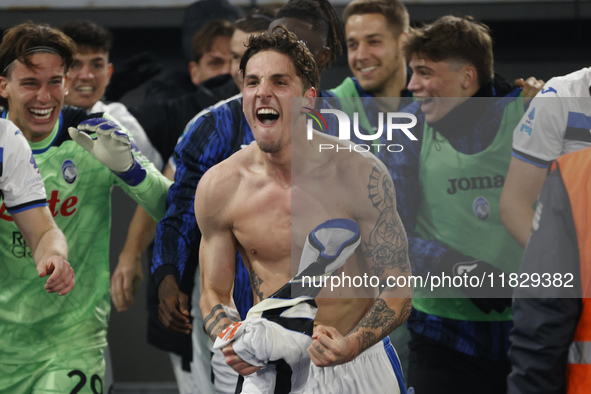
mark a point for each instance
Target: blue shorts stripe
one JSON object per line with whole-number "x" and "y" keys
{"x": 395, "y": 364}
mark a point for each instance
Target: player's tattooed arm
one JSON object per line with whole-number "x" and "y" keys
{"x": 387, "y": 247}
{"x": 378, "y": 322}
{"x": 385, "y": 250}
{"x": 217, "y": 250}
{"x": 218, "y": 319}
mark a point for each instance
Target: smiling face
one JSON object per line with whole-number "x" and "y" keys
{"x": 432, "y": 81}
{"x": 35, "y": 96}
{"x": 374, "y": 54}
{"x": 88, "y": 78}
{"x": 270, "y": 82}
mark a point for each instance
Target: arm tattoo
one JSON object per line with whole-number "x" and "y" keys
{"x": 211, "y": 314}
{"x": 255, "y": 281}
{"x": 213, "y": 328}
{"x": 387, "y": 247}
{"x": 367, "y": 340}
{"x": 379, "y": 317}
{"x": 404, "y": 313}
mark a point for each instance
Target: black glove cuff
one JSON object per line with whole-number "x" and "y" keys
{"x": 449, "y": 259}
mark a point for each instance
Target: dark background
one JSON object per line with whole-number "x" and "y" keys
{"x": 542, "y": 39}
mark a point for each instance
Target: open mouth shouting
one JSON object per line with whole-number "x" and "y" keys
{"x": 267, "y": 116}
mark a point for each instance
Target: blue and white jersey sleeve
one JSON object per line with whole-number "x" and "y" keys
{"x": 20, "y": 180}
{"x": 558, "y": 120}
{"x": 191, "y": 124}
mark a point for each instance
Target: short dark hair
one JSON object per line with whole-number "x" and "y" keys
{"x": 198, "y": 13}
{"x": 394, "y": 11}
{"x": 22, "y": 41}
{"x": 86, "y": 33}
{"x": 452, "y": 37}
{"x": 285, "y": 42}
{"x": 322, "y": 15}
{"x": 258, "y": 19}
{"x": 203, "y": 40}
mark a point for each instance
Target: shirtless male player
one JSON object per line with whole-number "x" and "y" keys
{"x": 266, "y": 199}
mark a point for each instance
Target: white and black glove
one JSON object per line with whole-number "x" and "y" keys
{"x": 112, "y": 148}
{"x": 485, "y": 297}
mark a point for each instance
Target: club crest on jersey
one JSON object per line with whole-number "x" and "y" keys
{"x": 528, "y": 125}
{"x": 69, "y": 171}
{"x": 481, "y": 208}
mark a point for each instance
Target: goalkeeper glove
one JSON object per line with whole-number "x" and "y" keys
{"x": 112, "y": 148}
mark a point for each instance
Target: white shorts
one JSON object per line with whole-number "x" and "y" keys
{"x": 189, "y": 382}
{"x": 224, "y": 377}
{"x": 375, "y": 371}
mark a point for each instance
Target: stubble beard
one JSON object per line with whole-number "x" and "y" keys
{"x": 269, "y": 147}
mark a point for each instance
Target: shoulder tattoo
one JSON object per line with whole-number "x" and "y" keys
{"x": 387, "y": 246}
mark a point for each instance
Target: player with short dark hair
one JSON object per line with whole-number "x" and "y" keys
{"x": 462, "y": 134}
{"x": 291, "y": 189}
{"x": 59, "y": 343}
